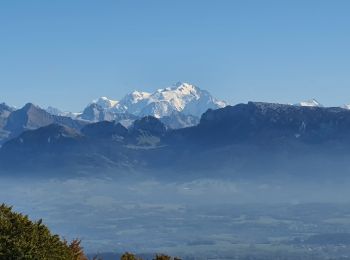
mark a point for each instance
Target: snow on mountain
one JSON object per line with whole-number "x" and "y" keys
{"x": 57, "y": 112}
{"x": 96, "y": 113}
{"x": 54, "y": 111}
{"x": 182, "y": 97}
{"x": 133, "y": 102}
{"x": 310, "y": 103}
{"x": 105, "y": 103}
{"x": 188, "y": 100}
{"x": 135, "y": 97}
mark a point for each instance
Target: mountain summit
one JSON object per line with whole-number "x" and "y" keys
{"x": 181, "y": 97}
{"x": 180, "y": 105}
{"x": 105, "y": 103}
{"x": 32, "y": 117}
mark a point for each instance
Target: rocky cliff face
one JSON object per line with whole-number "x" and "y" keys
{"x": 266, "y": 122}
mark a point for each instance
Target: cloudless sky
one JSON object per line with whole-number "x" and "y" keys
{"x": 66, "y": 53}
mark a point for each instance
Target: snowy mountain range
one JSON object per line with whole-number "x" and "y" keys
{"x": 181, "y": 98}
{"x": 178, "y": 106}
{"x": 238, "y": 139}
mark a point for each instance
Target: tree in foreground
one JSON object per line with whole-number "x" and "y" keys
{"x": 129, "y": 256}
{"x": 23, "y": 239}
{"x": 162, "y": 257}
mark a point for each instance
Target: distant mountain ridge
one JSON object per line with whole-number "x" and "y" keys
{"x": 237, "y": 139}
{"x": 176, "y": 127}
{"x": 31, "y": 117}
{"x": 178, "y": 106}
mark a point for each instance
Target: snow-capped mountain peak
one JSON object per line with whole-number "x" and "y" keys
{"x": 185, "y": 87}
{"x": 310, "y": 103}
{"x": 136, "y": 96}
{"x": 181, "y": 97}
{"x": 105, "y": 103}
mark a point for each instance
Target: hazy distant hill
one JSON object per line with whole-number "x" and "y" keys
{"x": 31, "y": 117}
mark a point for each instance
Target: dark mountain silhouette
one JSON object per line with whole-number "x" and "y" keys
{"x": 105, "y": 130}
{"x": 246, "y": 139}
{"x": 32, "y": 117}
{"x": 148, "y": 125}
{"x": 51, "y": 136}
{"x": 266, "y": 123}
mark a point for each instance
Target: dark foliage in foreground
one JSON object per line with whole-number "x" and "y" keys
{"x": 21, "y": 238}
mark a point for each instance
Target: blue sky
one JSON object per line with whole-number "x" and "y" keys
{"x": 66, "y": 53}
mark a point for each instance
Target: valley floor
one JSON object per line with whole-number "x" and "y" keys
{"x": 199, "y": 219}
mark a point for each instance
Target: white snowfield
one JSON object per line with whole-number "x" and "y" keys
{"x": 105, "y": 103}
{"x": 309, "y": 103}
{"x": 182, "y": 97}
